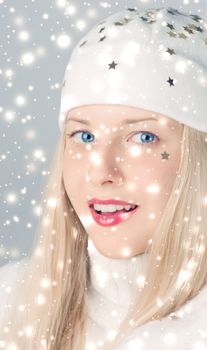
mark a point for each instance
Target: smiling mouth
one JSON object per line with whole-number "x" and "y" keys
{"x": 114, "y": 212}
{"x": 107, "y": 219}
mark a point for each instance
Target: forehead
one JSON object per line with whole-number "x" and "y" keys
{"x": 96, "y": 113}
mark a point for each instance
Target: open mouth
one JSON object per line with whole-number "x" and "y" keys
{"x": 114, "y": 212}
{"x": 114, "y": 217}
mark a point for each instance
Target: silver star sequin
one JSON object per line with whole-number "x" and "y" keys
{"x": 187, "y": 29}
{"x": 170, "y": 26}
{"x": 170, "y": 81}
{"x": 130, "y": 9}
{"x": 172, "y": 34}
{"x": 170, "y": 51}
{"x": 102, "y": 39}
{"x": 123, "y": 21}
{"x": 165, "y": 155}
{"x": 182, "y": 35}
{"x": 118, "y": 24}
{"x": 196, "y": 18}
{"x": 101, "y": 30}
{"x": 199, "y": 29}
{"x": 143, "y": 18}
{"x": 112, "y": 65}
{"x": 83, "y": 43}
{"x": 173, "y": 11}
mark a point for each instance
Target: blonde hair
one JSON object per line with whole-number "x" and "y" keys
{"x": 57, "y": 275}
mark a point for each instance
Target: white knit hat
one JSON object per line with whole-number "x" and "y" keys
{"x": 154, "y": 59}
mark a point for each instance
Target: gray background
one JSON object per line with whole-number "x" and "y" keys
{"x": 29, "y": 132}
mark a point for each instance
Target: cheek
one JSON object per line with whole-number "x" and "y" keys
{"x": 163, "y": 176}
{"x": 73, "y": 172}
{"x": 154, "y": 176}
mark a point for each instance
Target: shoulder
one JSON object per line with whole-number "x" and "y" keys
{"x": 11, "y": 271}
{"x": 186, "y": 329}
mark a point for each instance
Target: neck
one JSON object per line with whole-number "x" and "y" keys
{"x": 116, "y": 280}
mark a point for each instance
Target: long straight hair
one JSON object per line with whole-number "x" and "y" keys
{"x": 55, "y": 281}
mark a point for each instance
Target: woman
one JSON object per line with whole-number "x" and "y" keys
{"x": 133, "y": 139}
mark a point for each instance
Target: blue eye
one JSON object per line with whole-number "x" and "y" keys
{"x": 147, "y": 138}
{"x": 84, "y": 136}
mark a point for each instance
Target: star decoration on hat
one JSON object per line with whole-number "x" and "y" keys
{"x": 143, "y": 18}
{"x": 199, "y": 29}
{"x": 103, "y": 38}
{"x": 182, "y": 35}
{"x": 101, "y": 30}
{"x": 170, "y": 26}
{"x": 83, "y": 43}
{"x": 170, "y": 51}
{"x": 118, "y": 24}
{"x": 165, "y": 155}
{"x": 127, "y": 20}
{"x": 148, "y": 20}
{"x": 196, "y": 18}
{"x": 173, "y": 11}
{"x": 151, "y": 16}
{"x": 187, "y": 29}
{"x": 130, "y": 9}
{"x": 151, "y": 13}
{"x": 124, "y": 21}
{"x": 170, "y": 81}
{"x": 112, "y": 65}
{"x": 193, "y": 26}
{"x": 172, "y": 34}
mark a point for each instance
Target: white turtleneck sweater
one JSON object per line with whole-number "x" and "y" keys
{"x": 112, "y": 286}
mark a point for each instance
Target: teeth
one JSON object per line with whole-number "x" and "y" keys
{"x": 110, "y": 208}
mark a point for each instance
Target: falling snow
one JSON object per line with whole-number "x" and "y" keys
{"x": 35, "y": 46}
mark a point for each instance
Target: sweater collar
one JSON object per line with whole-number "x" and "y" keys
{"x": 115, "y": 280}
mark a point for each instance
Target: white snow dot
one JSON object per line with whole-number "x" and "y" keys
{"x": 23, "y": 35}
{"x": 11, "y": 198}
{"x": 80, "y": 24}
{"x": 20, "y": 100}
{"x": 61, "y": 3}
{"x": 9, "y": 73}
{"x": 63, "y": 40}
{"x": 71, "y": 10}
{"x": 170, "y": 339}
{"x": 9, "y": 115}
{"x": 27, "y": 58}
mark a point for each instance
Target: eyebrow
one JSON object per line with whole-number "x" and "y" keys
{"x": 125, "y": 121}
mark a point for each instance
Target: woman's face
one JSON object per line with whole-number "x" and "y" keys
{"x": 112, "y": 157}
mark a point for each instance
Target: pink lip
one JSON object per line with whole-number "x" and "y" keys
{"x": 111, "y": 219}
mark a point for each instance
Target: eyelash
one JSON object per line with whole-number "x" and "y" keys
{"x": 70, "y": 135}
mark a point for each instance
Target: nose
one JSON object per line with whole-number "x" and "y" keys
{"x": 100, "y": 179}
{"x": 104, "y": 169}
